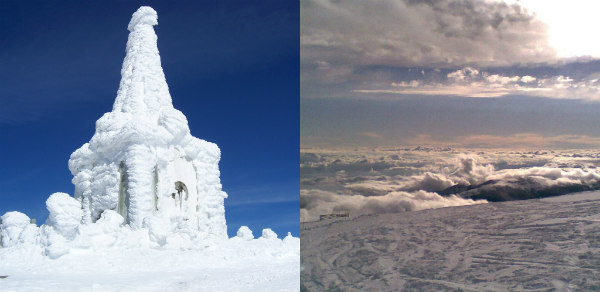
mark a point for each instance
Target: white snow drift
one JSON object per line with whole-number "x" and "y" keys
{"x": 550, "y": 244}
{"x": 143, "y": 182}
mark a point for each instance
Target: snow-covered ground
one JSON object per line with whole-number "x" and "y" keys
{"x": 262, "y": 264}
{"x": 550, "y": 244}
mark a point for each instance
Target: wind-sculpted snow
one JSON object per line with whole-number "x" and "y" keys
{"x": 107, "y": 257}
{"x": 360, "y": 180}
{"x": 16, "y": 229}
{"x": 551, "y": 244}
{"x": 65, "y": 214}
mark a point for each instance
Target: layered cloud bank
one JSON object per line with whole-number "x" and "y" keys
{"x": 472, "y": 82}
{"x": 314, "y": 203}
{"x": 414, "y": 33}
{"x": 447, "y": 47}
{"x": 394, "y": 179}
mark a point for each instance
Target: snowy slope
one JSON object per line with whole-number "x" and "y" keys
{"x": 550, "y": 244}
{"x": 237, "y": 265}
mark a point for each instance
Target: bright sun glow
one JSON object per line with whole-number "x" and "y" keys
{"x": 571, "y": 25}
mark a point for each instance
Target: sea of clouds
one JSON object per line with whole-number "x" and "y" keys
{"x": 381, "y": 180}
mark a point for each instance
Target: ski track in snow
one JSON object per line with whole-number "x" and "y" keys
{"x": 550, "y": 244}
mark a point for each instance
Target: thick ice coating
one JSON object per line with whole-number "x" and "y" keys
{"x": 142, "y": 161}
{"x": 15, "y": 229}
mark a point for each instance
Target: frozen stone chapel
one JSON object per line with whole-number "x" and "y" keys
{"x": 142, "y": 169}
{"x": 142, "y": 162}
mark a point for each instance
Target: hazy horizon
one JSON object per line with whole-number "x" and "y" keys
{"x": 463, "y": 74}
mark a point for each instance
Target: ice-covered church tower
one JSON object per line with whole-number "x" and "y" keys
{"x": 142, "y": 161}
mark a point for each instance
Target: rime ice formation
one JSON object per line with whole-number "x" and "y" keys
{"x": 142, "y": 162}
{"x": 16, "y": 229}
{"x": 141, "y": 169}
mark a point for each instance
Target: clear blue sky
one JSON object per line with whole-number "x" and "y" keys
{"x": 232, "y": 68}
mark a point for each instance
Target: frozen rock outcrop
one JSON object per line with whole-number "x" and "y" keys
{"x": 142, "y": 162}
{"x": 15, "y": 229}
{"x": 268, "y": 233}
{"x": 65, "y": 214}
{"x": 244, "y": 233}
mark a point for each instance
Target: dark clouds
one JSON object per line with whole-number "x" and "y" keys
{"x": 416, "y": 33}
{"x": 338, "y": 38}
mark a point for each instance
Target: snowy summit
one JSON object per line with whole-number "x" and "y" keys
{"x": 144, "y": 185}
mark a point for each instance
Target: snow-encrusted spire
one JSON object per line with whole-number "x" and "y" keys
{"x": 143, "y": 88}
{"x": 142, "y": 161}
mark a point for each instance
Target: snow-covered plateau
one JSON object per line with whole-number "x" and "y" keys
{"x": 550, "y": 244}
{"x": 148, "y": 209}
{"x": 110, "y": 257}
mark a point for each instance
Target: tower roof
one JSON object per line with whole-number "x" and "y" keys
{"x": 143, "y": 111}
{"x": 143, "y": 88}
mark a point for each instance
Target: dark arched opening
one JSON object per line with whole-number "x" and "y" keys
{"x": 123, "y": 204}
{"x": 181, "y": 188}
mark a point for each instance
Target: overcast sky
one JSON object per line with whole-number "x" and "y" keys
{"x": 446, "y": 72}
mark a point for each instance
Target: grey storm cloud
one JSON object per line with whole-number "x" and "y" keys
{"x": 337, "y": 36}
